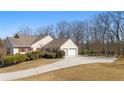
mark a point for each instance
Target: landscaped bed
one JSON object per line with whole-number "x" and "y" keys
{"x": 29, "y": 60}
{"x": 28, "y": 65}
{"x": 101, "y": 71}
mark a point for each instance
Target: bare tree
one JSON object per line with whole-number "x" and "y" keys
{"x": 95, "y": 35}
{"x": 101, "y": 35}
{"x": 87, "y": 38}
{"x": 63, "y": 29}
{"x": 48, "y": 30}
{"x": 25, "y": 31}
{"x": 2, "y": 51}
{"x": 114, "y": 25}
{"x": 78, "y": 29}
{"x": 105, "y": 36}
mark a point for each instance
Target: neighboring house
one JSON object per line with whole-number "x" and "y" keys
{"x": 23, "y": 44}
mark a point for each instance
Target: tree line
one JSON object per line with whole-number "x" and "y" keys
{"x": 102, "y": 34}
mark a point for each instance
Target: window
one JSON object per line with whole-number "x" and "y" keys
{"x": 29, "y": 49}
{"x": 38, "y": 49}
{"x": 22, "y": 49}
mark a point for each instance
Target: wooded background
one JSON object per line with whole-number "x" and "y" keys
{"x": 103, "y": 34}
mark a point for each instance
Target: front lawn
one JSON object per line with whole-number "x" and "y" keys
{"x": 101, "y": 71}
{"x": 27, "y": 65}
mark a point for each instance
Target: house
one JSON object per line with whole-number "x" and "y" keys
{"x": 25, "y": 43}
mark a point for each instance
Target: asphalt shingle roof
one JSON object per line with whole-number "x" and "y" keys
{"x": 56, "y": 43}
{"x": 27, "y": 41}
{"x": 22, "y": 41}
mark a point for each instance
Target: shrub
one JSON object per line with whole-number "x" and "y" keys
{"x": 0, "y": 62}
{"x": 50, "y": 55}
{"x": 42, "y": 53}
{"x": 35, "y": 52}
{"x": 32, "y": 55}
{"x": 9, "y": 60}
{"x": 20, "y": 58}
{"x": 29, "y": 54}
{"x": 85, "y": 52}
{"x": 60, "y": 54}
{"x": 92, "y": 52}
{"x": 28, "y": 59}
{"x": 82, "y": 52}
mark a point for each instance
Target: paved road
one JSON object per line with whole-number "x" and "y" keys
{"x": 67, "y": 62}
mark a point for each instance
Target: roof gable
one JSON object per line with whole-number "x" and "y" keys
{"x": 69, "y": 44}
{"x": 39, "y": 38}
{"x": 24, "y": 40}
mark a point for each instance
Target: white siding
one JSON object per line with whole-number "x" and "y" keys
{"x": 41, "y": 42}
{"x": 69, "y": 44}
{"x": 15, "y": 50}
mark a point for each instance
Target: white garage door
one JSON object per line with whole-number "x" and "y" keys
{"x": 71, "y": 51}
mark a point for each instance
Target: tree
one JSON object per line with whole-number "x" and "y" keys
{"x": 63, "y": 29}
{"x": 2, "y": 51}
{"x": 48, "y": 30}
{"x": 87, "y": 36}
{"x": 25, "y": 31}
{"x": 78, "y": 29}
{"x": 101, "y": 35}
{"x": 114, "y": 25}
{"x": 106, "y": 37}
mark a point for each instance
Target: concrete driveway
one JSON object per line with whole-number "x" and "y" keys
{"x": 64, "y": 63}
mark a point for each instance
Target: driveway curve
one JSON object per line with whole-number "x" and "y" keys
{"x": 64, "y": 63}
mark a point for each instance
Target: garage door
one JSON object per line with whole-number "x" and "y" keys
{"x": 71, "y": 51}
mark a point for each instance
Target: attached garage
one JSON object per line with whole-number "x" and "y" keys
{"x": 67, "y": 45}
{"x": 72, "y": 51}
{"x": 70, "y": 48}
